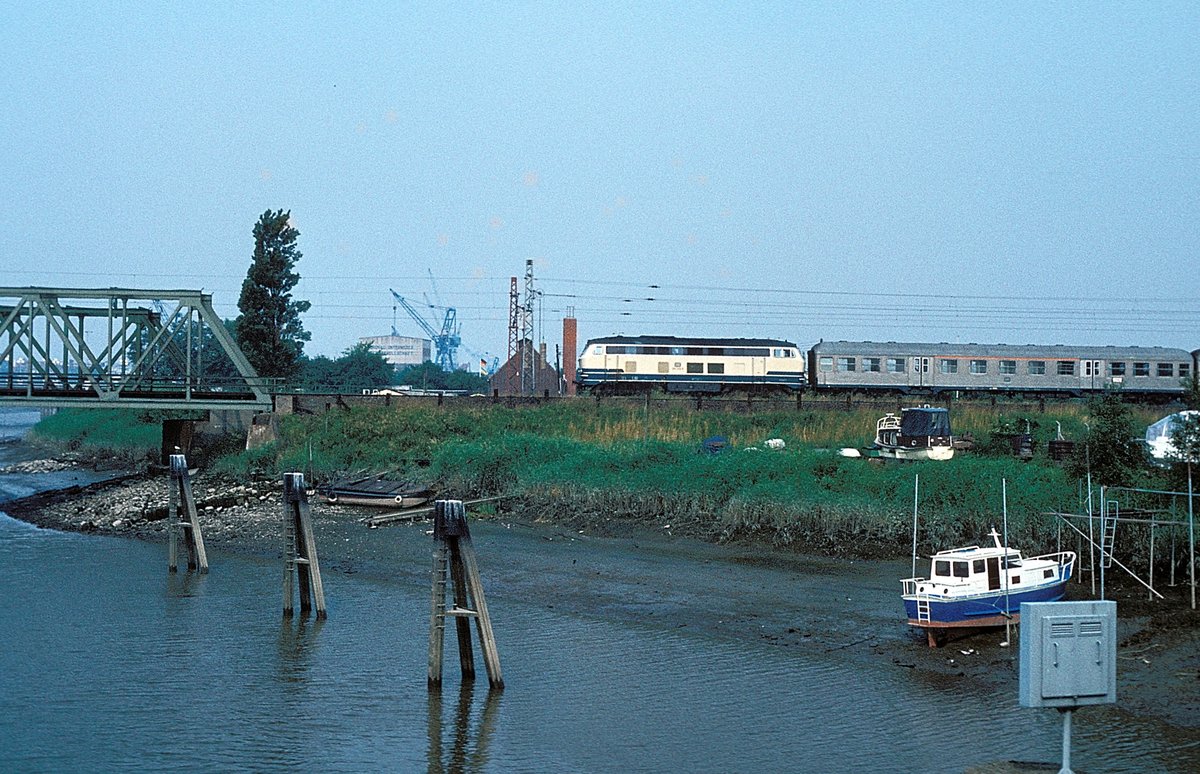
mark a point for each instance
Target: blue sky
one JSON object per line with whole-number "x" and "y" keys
{"x": 1014, "y": 172}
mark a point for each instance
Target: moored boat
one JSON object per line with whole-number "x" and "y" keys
{"x": 377, "y": 491}
{"x": 979, "y": 587}
{"x": 921, "y": 433}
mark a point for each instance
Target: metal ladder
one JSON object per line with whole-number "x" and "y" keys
{"x": 1108, "y": 533}
{"x": 923, "y": 609}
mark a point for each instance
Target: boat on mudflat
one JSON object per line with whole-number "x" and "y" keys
{"x": 377, "y": 491}
{"x": 980, "y": 587}
{"x": 921, "y": 433}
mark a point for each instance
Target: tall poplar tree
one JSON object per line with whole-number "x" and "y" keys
{"x": 269, "y": 329}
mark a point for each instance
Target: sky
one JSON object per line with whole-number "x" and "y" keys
{"x": 960, "y": 172}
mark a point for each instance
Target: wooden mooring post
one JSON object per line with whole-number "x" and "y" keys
{"x": 183, "y": 501}
{"x": 300, "y": 550}
{"x": 454, "y": 558}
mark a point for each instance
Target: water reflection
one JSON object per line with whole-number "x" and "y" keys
{"x": 181, "y": 585}
{"x": 295, "y": 646}
{"x": 469, "y": 738}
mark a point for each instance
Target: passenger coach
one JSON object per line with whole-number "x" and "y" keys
{"x": 908, "y": 367}
{"x": 638, "y": 363}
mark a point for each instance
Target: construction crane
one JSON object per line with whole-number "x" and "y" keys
{"x": 446, "y": 342}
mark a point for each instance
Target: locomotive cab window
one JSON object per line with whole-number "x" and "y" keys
{"x": 1037, "y": 367}
{"x": 597, "y": 350}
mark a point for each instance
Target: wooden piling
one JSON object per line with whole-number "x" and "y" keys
{"x": 300, "y": 550}
{"x": 454, "y": 563}
{"x": 183, "y": 501}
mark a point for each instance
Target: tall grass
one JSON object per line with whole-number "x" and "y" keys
{"x": 130, "y": 434}
{"x": 641, "y": 460}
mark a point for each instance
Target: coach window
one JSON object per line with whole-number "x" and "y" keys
{"x": 895, "y": 365}
{"x": 1185, "y": 370}
{"x": 1008, "y": 366}
{"x": 1037, "y": 367}
{"x": 979, "y": 366}
{"x": 826, "y": 364}
{"x": 1066, "y": 368}
{"x": 695, "y": 368}
{"x": 1166, "y": 369}
{"x": 948, "y": 365}
{"x": 871, "y": 364}
{"x": 716, "y": 368}
{"x": 1141, "y": 369}
{"x": 845, "y": 364}
{"x": 1116, "y": 369}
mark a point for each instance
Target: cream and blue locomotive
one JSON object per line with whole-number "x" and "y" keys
{"x": 618, "y": 364}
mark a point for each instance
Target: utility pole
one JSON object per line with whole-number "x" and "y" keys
{"x": 528, "y": 372}
{"x": 514, "y": 316}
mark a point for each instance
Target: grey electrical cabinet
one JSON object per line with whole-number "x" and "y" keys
{"x": 1068, "y": 654}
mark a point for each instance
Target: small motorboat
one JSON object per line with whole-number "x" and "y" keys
{"x": 921, "y": 433}
{"x": 378, "y": 491}
{"x": 974, "y": 588}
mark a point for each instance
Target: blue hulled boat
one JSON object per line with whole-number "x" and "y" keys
{"x": 974, "y": 587}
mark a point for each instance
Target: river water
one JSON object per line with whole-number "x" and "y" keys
{"x": 109, "y": 663}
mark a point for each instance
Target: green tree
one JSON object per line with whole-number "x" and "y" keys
{"x": 359, "y": 367}
{"x": 430, "y": 376}
{"x": 269, "y": 329}
{"x": 1109, "y": 451}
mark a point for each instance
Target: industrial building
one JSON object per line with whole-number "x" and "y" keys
{"x": 401, "y": 350}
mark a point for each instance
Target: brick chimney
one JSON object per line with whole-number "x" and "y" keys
{"x": 570, "y": 342}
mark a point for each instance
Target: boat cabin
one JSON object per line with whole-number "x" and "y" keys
{"x": 974, "y": 569}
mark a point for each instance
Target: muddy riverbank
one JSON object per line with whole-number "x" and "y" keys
{"x": 617, "y": 569}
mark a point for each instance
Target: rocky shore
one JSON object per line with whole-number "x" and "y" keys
{"x": 1159, "y": 670}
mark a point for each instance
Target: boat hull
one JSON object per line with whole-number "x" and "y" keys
{"x": 980, "y": 610}
{"x": 938, "y": 453}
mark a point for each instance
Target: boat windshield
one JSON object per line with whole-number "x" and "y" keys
{"x": 925, "y": 421}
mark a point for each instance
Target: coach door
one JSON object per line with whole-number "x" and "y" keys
{"x": 920, "y": 372}
{"x": 1093, "y": 373}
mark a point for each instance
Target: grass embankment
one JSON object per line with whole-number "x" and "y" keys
{"x": 586, "y": 463}
{"x": 119, "y": 436}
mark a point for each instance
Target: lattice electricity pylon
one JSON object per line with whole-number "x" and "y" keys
{"x": 121, "y": 347}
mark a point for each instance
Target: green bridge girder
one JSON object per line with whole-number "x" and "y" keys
{"x": 121, "y": 348}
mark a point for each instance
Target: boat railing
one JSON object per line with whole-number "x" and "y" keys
{"x": 1064, "y": 559}
{"x": 909, "y": 585}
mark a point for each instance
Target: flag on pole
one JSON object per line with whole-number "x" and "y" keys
{"x": 482, "y": 367}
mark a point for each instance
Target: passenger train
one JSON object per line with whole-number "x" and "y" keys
{"x": 637, "y": 363}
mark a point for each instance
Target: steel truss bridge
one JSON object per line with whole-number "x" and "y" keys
{"x": 119, "y": 347}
